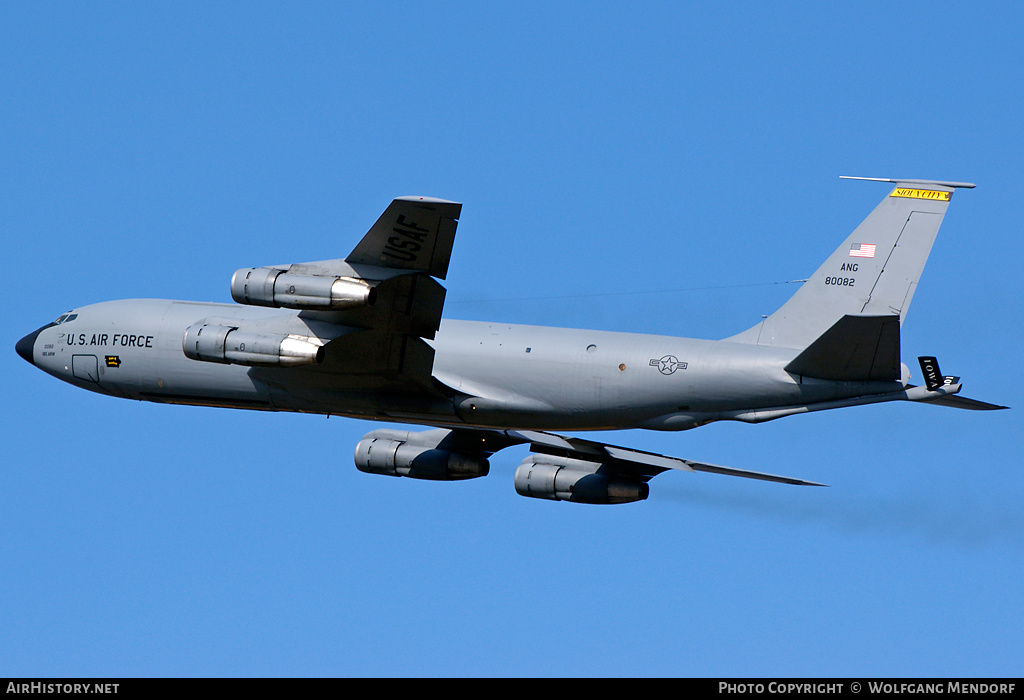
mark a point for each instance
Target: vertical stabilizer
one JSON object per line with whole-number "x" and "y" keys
{"x": 873, "y": 273}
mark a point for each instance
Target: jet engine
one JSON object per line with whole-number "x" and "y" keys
{"x": 267, "y": 286}
{"x": 576, "y": 480}
{"x": 228, "y": 345}
{"x": 376, "y": 454}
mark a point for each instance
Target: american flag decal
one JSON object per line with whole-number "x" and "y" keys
{"x": 862, "y": 250}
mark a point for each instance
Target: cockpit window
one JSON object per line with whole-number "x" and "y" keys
{"x": 64, "y": 318}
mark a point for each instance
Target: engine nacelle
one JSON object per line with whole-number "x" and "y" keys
{"x": 228, "y": 345}
{"x": 575, "y": 480}
{"x": 266, "y": 286}
{"x": 399, "y": 458}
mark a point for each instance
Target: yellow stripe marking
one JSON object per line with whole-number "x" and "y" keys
{"x": 920, "y": 194}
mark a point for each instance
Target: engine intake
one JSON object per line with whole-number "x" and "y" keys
{"x": 575, "y": 480}
{"x": 267, "y": 286}
{"x": 376, "y": 455}
{"x": 228, "y": 345}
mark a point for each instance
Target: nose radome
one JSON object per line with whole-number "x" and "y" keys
{"x": 26, "y": 346}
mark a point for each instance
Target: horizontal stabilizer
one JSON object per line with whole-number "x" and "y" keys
{"x": 854, "y": 349}
{"x": 954, "y": 401}
{"x": 935, "y": 381}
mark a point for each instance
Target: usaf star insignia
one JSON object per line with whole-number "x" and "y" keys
{"x": 668, "y": 364}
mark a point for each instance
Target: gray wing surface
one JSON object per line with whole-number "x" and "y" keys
{"x": 413, "y": 233}
{"x": 560, "y": 468}
{"x": 630, "y": 462}
{"x": 378, "y": 342}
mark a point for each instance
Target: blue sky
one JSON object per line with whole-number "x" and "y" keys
{"x": 653, "y": 167}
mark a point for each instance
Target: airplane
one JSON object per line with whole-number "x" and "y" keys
{"x": 363, "y": 337}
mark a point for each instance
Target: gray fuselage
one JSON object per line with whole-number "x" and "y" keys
{"x": 485, "y": 374}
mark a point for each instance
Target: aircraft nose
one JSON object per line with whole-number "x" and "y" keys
{"x": 26, "y": 345}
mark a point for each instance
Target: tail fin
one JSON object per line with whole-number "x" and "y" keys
{"x": 873, "y": 273}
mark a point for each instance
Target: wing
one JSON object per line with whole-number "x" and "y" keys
{"x": 372, "y": 309}
{"x": 561, "y": 468}
{"x": 413, "y": 233}
{"x": 631, "y": 462}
